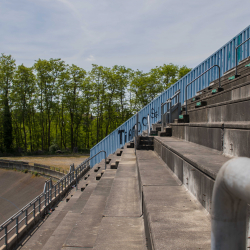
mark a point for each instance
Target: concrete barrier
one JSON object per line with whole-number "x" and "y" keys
{"x": 40, "y": 169}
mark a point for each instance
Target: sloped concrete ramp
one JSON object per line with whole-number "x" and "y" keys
{"x": 17, "y": 190}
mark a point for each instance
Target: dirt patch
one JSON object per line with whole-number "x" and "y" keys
{"x": 62, "y": 162}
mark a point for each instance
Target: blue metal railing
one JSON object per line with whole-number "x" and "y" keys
{"x": 197, "y": 79}
{"x": 226, "y": 57}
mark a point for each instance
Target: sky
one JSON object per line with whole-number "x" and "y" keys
{"x": 139, "y": 34}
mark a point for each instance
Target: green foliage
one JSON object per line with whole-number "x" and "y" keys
{"x": 53, "y": 105}
{"x": 35, "y": 174}
{"x": 25, "y": 171}
{"x": 53, "y": 148}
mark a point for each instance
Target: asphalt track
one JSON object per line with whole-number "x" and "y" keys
{"x": 16, "y": 190}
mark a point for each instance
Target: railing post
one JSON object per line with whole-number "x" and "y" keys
{"x": 50, "y": 190}
{"x": 236, "y": 61}
{"x": 76, "y": 179}
{"x": 34, "y": 209}
{"x": 48, "y": 193}
{"x": 105, "y": 160}
{"x": 45, "y": 193}
{"x": 148, "y": 125}
{"x": 199, "y": 77}
{"x": 231, "y": 194}
{"x": 162, "y": 112}
{"x": 170, "y": 112}
{"x": 39, "y": 205}
{"x": 26, "y": 217}
{"x": 17, "y": 225}
{"x": 136, "y": 129}
{"x": 6, "y": 236}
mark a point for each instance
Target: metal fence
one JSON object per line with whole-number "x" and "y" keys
{"x": 14, "y": 224}
{"x": 225, "y": 57}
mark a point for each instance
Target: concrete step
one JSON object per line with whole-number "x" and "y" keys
{"x": 231, "y": 90}
{"x": 227, "y": 111}
{"x": 231, "y": 138}
{"x": 122, "y": 225}
{"x": 53, "y": 231}
{"x": 225, "y": 81}
{"x": 173, "y": 218}
{"x": 145, "y": 147}
{"x": 166, "y": 132}
{"x": 84, "y": 231}
{"x": 194, "y": 165}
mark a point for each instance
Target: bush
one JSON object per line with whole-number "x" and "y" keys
{"x": 35, "y": 173}
{"x": 25, "y": 171}
{"x": 53, "y": 148}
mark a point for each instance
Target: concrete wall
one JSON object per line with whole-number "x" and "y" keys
{"x": 19, "y": 165}
{"x": 234, "y": 110}
{"x": 203, "y": 134}
{"x": 232, "y": 139}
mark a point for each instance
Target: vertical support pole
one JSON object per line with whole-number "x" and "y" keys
{"x": 76, "y": 179}
{"x": 39, "y": 204}
{"x": 148, "y": 125}
{"x": 136, "y": 129}
{"x": 45, "y": 194}
{"x": 69, "y": 173}
{"x": 6, "y": 236}
{"x": 105, "y": 160}
{"x": 34, "y": 209}
{"x": 162, "y": 112}
{"x": 17, "y": 225}
{"x": 48, "y": 193}
{"x": 26, "y": 217}
{"x": 170, "y": 112}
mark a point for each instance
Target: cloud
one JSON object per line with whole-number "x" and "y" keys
{"x": 138, "y": 34}
{"x": 90, "y": 58}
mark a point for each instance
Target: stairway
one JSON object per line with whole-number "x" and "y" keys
{"x": 216, "y": 129}
{"x": 103, "y": 213}
{"x": 145, "y": 143}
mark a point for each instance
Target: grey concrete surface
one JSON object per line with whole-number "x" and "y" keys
{"x": 152, "y": 171}
{"x": 122, "y": 226}
{"x": 193, "y": 177}
{"x": 207, "y": 160}
{"x": 124, "y": 196}
{"x": 16, "y": 190}
{"x": 173, "y": 218}
{"x": 84, "y": 230}
{"x": 60, "y": 223}
{"x": 205, "y": 135}
{"x": 121, "y": 233}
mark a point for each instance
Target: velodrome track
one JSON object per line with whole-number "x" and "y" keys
{"x": 16, "y": 190}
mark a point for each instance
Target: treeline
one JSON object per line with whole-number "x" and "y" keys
{"x": 56, "y": 105}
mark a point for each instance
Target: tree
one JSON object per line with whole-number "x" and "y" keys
{"x": 23, "y": 99}
{"x": 7, "y": 68}
{"x": 72, "y": 83}
{"x": 183, "y": 71}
